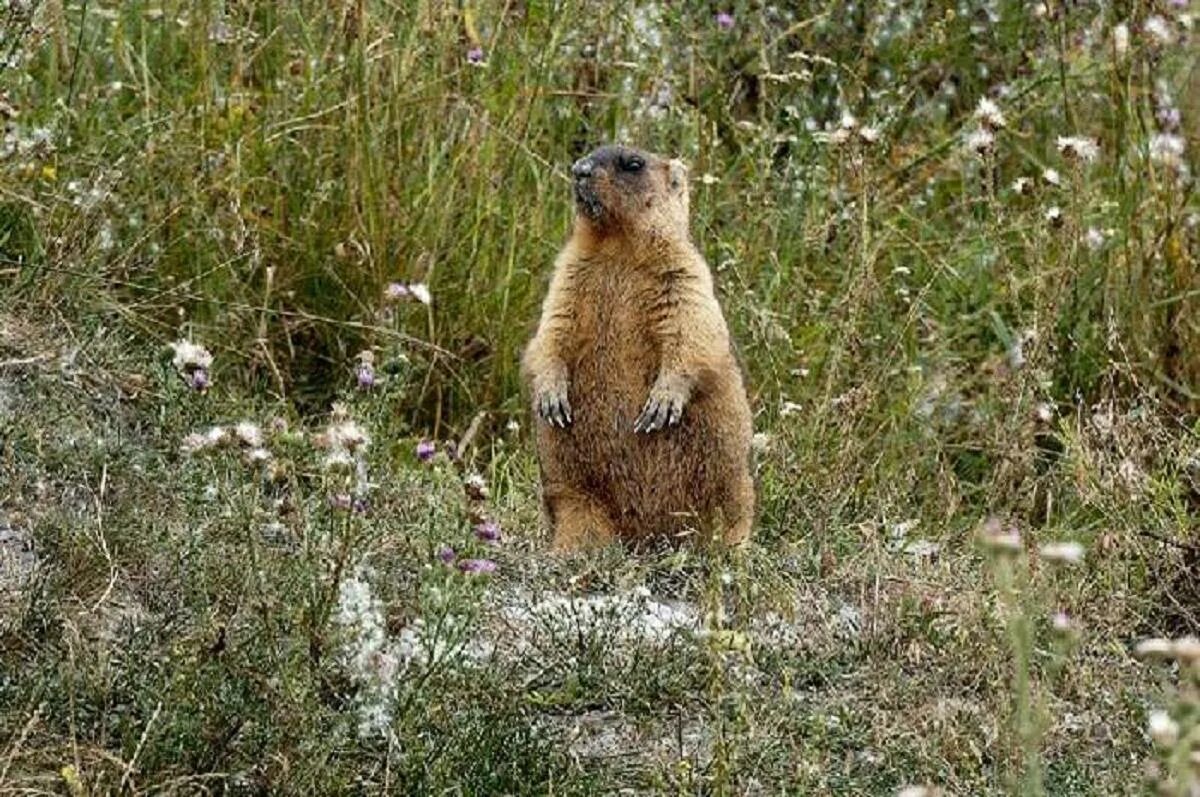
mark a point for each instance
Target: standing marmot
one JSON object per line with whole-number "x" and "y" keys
{"x": 643, "y": 426}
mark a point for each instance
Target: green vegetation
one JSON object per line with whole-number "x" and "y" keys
{"x": 957, "y": 244}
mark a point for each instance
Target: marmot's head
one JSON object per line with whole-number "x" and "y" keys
{"x": 619, "y": 189}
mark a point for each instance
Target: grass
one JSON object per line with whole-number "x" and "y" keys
{"x": 931, "y": 350}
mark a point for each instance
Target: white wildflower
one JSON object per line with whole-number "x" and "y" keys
{"x": 981, "y": 142}
{"x": 190, "y": 356}
{"x": 1160, "y": 30}
{"x": 248, "y": 434}
{"x": 368, "y": 660}
{"x": 194, "y": 442}
{"x": 338, "y": 461}
{"x": 760, "y": 442}
{"x": 1064, "y": 624}
{"x": 989, "y": 115}
{"x": 790, "y": 408}
{"x": 1000, "y": 538}
{"x": 1167, "y": 149}
{"x": 1081, "y": 148}
{"x": 1067, "y": 553}
{"x": 709, "y": 179}
{"x": 1054, "y": 216}
{"x": 257, "y": 456}
{"x": 1052, "y": 177}
{"x": 1044, "y": 412}
{"x": 420, "y": 292}
{"x": 1163, "y": 730}
{"x": 848, "y": 122}
{"x": 1120, "y": 37}
{"x": 868, "y": 134}
{"x": 1022, "y": 186}
{"x": 346, "y": 435}
{"x": 1094, "y": 239}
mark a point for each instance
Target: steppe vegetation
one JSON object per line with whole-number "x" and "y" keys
{"x": 268, "y": 515}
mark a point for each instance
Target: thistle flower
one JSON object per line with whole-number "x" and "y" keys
{"x": 190, "y": 355}
{"x": 1067, "y": 553}
{"x": 989, "y": 115}
{"x": 426, "y": 450}
{"x": 477, "y": 567}
{"x": 446, "y": 554}
{"x": 1000, "y": 538}
{"x": 725, "y": 20}
{"x": 1063, "y": 624}
{"x": 1054, "y": 216}
{"x": 1052, "y": 177}
{"x": 1094, "y": 239}
{"x": 257, "y": 456}
{"x": 346, "y": 435}
{"x": 364, "y": 375}
{"x": 981, "y": 142}
{"x": 1022, "y": 186}
{"x": 341, "y": 501}
{"x": 475, "y": 56}
{"x": 869, "y": 134}
{"x": 1163, "y": 730}
{"x": 248, "y": 434}
{"x": 338, "y": 461}
{"x": 1080, "y": 148}
{"x": 396, "y": 291}
{"x": 475, "y": 487}
{"x": 488, "y": 531}
{"x": 194, "y": 442}
{"x": 1043, "y": 412}
{"x": 193, "y": 362}
{"x": 1167, "y": 149}
{"x": 1159, "y": 30}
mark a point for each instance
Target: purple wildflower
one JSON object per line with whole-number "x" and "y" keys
{"x": 725, "y": 20}
{"x": 426, "y": 450}
{"x": 395, "y": 291}
{"x": 340, "y": 501}
{"x": 475, "y": 56}
{"x": 446, "y": 554}
{"x": 198, "y": 380}
{"x": 360, "y": 506}
{"x": 477, "y": 567}
{"x": 488, "y": 531}
{"x": 365, "y": 374}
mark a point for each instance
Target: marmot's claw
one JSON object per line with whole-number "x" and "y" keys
{"x": 554, "y": 409}
{"x": 660, "y": 411}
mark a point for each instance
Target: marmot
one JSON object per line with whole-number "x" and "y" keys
{"x": 642, "y": 422}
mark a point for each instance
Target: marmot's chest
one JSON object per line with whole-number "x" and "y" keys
{"x": 616, "y": 350}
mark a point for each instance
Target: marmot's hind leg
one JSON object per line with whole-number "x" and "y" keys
{"x": 580, "y": 523}
{"x": 738, "y": 511}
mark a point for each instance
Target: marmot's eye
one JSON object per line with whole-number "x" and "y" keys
{"x": 633, "y": 164}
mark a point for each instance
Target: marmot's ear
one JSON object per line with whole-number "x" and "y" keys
{"x": 678, "y": 171}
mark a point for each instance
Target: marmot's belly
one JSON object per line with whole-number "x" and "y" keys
{"x": 650, "y": 483}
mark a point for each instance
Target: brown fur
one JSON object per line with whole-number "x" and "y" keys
{"x": 630, "y": 330}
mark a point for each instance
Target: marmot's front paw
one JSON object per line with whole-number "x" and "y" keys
{"x": 663, "y": 408}
{"x": 552, "y": 407}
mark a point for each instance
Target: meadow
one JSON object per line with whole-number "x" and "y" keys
{"x": 268, "y": 499}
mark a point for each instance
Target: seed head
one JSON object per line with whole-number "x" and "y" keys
{"x": 1065, "y": 553}
{"x": 1080, "y": 148}
{"x": 989, "y": 115}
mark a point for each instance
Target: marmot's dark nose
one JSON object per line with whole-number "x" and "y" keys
{"x": 582, "y": 168}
